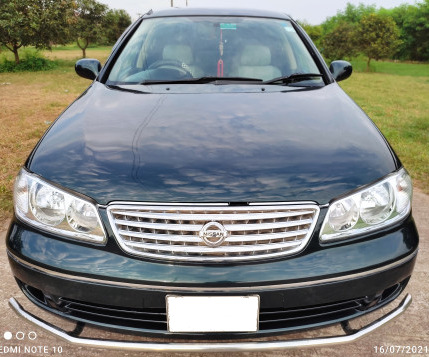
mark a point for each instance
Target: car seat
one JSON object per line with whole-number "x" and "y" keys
{"x": 183, "y": 54}
{"x": 255, "y": 62}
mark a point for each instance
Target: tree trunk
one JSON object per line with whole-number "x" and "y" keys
{"x": 14, "y": 48}
{"x": 367, "y": 64}
{"x": 16, "y": 54}
{"x": 83, "y": 48}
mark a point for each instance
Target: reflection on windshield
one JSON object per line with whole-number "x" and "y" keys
{"x": 180, "y": 48}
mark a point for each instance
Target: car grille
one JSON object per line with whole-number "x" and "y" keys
{"x": 172, "y": 232}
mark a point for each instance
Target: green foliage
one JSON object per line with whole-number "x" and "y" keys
{"x": 352, "y": 14}
{"x": 402, "y": 15}
{"x": 378, "y": 36}
{"x": 341, "y": 42}
{"x": 115, "y": 23}
{"x": 413, "y": 22}
{"x": 420, "y": 31}
{"x": 32, "y": 61}
{"x": 89, "y": 25}
{"x": 314, "y": 31}
{"x": 34, "y": 22}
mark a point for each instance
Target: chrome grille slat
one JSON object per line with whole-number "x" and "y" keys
{"x": 171, "y": 232}
{"x": 195, "y": 238}
{"x": 162, "y": 237}
{"x": 210, "y": 216}
{"x": 197, "y": 227}
{"x": 218, "y": 250}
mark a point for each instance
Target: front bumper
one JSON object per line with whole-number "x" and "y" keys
{"x": 320, "y": 287}
{"x": 212, "y": 347}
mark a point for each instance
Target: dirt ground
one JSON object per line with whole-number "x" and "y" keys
{"x": 409, "y": 332}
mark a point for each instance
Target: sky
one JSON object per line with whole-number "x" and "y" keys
{"x": 311, "y": 11}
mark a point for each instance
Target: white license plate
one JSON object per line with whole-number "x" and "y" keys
{"x": 212, "y": 313}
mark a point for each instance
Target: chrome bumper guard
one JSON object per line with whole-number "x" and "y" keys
{"x": 352, "y": 335}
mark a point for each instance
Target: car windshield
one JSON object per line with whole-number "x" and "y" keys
{"x": 190, "y": 48}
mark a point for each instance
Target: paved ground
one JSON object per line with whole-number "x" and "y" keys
{"x": 411, "y": 329}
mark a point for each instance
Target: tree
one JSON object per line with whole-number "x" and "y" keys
{"x": 378, "y": 36}
{"x": 36, "y": 23}
{"x": 421, "y": 31}
{"x": 341, "y": 42}
{"x": 402, "y": 15}
{"x": 413, "y": 22}
{"x": 115, "y": 23}
{"x": 352, "y": 14}
{"x": 88, "y": 28}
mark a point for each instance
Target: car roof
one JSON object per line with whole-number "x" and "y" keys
{"x": 191, "y": 11}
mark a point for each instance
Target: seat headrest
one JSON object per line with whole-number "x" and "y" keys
{"x": 255, "y": 55}
{"x": 182, "y": 53}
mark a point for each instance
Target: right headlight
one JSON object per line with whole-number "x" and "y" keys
{"x": 54, "y": 210}
{"x": 381, "y": 204}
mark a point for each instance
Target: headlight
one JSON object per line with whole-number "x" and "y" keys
{"x": 54, "y": 210}
{"x": 382, "y": 204}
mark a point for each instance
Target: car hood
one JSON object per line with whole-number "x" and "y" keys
{"x": 213, "y": 146}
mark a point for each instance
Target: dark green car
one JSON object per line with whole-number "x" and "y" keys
{"x": 213, "y": 183}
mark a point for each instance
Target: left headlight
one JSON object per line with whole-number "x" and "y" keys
{"x": 369, "y": 209}
{"x": 54, "y": 210}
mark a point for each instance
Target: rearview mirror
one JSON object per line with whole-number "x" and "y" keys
{"x": 341, "y": 70}
{"x": 88, "y": 68}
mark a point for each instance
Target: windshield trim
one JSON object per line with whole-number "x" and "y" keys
{"x": 210, "y": 88}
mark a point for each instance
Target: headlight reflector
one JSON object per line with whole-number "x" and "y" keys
{"x": 379, "y": 205}
{"x": 54, "y": 210}
{"x": 81, "y": 216}
{"x": 344, "y": 214}
{"x": 47, "y": 204}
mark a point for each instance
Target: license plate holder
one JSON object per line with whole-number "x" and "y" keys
{"x": 212, "y": 313}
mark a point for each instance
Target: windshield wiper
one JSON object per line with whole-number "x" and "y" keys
{"x": 124, "y": 89}
{"x": 293, "y": 78}
{"x": 202, "y": 80}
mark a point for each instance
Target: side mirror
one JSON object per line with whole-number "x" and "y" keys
{"x": 341, "y": 70}
{"x": 88, "y": 68}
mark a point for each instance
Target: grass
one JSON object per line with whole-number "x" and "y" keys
{"x": 392, "y": 67}
{"x": 29, "y": 102}
{"x": 65, "y": 56}
{"x": 31, "y": 60}
{"x": 396, "y": 99}
{"x": 73, "y": 53}
{"x": 399, "y": 106}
